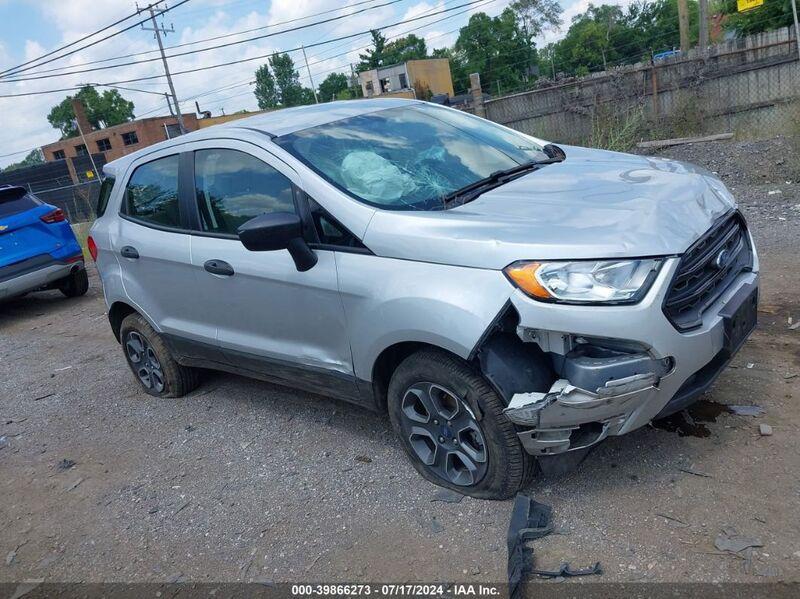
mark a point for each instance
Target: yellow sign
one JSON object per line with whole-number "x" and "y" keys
{"x": 745, "y": 5}
{"x": 89, "y": 175}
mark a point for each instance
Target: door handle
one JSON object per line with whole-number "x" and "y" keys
{"x": 129, "y": 252}
{"x": 219, "y": 267}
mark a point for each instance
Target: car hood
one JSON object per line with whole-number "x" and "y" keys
{"x": 595, "y": 204}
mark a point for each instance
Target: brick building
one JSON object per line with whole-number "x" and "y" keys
{"x": 118, "y": 140}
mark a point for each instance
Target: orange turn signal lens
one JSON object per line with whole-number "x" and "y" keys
{"x": 523, "y": 274}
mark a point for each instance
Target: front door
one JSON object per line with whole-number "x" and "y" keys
{"x": 286, "y": 325}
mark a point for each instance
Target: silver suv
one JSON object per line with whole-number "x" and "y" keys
{"x": 503, "y": 300}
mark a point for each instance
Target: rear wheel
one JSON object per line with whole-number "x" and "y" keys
{"x": 75, "y": 284}
{"x": 452, "y": 426}
{"x": 151, "y": 361}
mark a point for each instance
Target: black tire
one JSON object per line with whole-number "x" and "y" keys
{"x": 507, "y": 468}
{"x": 155, "y": 369}
{"x": 76, "y": 284}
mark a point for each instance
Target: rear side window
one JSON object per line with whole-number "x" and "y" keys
{"x": 15, "y": 200}
{"x": 233, "y": 187}
{"x": 105, "y": 193}
{"x": 152, "y": 193}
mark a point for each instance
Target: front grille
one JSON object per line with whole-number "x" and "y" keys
{"x": 706, "y": 270}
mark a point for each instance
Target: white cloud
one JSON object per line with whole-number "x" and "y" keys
{"x": 28, "y": 127}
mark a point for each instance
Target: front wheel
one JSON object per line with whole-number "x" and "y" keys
{"x": 452, "y": 427}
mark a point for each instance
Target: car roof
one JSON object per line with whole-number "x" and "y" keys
{"x": 274, "y": 124}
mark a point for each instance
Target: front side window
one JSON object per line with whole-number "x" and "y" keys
{"x": 233, "y": 187}
{"x": 80, "y": 150}
{"x": 409, "y": 158}
{"x": 130, "y": 138}
{"x": 152, "y": 193}
{"x": 59, "y": 155}
{"x": 104, "y": 145}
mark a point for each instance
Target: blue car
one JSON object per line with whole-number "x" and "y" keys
{"x": 38, "y": 249}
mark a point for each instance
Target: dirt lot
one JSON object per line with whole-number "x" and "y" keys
{"x": 249, "y": 481}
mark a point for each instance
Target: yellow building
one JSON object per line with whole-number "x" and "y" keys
{"x": 430, "y": 77}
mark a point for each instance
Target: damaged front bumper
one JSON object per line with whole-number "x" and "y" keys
{"x": 619, "y": 371}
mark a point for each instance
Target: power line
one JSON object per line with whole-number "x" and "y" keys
{"x": 481, "y": 3}
{"x": 17, "y": 70}
{"x": 209, "y": 39}
{"x": 207, "y": 49}
{"x": 250, "y": 59}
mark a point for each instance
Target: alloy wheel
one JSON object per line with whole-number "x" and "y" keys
{"x": 444, "y": 434}
{"x": 145, "y": 362}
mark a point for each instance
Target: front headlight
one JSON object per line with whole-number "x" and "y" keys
{"x": 591, "y": 281}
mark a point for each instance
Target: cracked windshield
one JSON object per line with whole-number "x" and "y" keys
{"x": 409, "y": 158}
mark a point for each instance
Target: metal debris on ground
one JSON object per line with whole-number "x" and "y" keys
{"x": 74, "y": 485}
{"x": 731, "y": 541}
{"x": 65, "y": 464}
{"x": 565, "y": 571}
{"x": 436, "y": 526}
{"x": 695, "y": 472}
{"x": 765, "y": 430}
{"x": 529, "y": 520}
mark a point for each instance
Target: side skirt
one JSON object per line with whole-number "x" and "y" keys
{"x": 329, "y": 383}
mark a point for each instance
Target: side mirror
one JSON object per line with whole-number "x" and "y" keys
{"x": 278, "y": 231}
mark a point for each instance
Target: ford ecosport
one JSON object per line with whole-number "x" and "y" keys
{"x": 500, "y": 298}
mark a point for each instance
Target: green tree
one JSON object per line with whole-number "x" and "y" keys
{"x": 492, "y": 46}
{"x": 287, "y": 80}
{"x": 34, "y": 157}
{"x": 605, "y": 36}
{"x": 773, "y": 14}
{"x": 404, "y": 49}
{"x": 332, "y": 86}
{"x": 265, "y": 90}
{"x": 102, "y": 110}
{"x": 373, "y": 57}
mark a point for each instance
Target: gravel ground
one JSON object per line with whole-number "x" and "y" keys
{"x": 244, "y": 480}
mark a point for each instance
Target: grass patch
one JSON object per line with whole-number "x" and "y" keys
{"x": 81, "y": 231}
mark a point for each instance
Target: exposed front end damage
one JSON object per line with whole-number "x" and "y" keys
{"x": 600, "y": 386}
{"x": 574, "y": 375}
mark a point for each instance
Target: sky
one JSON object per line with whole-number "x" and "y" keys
{"x": 30, "y": 28}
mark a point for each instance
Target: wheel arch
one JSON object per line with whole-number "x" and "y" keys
{"x": 118, "y": 312}
{"x": 507, "y": 363}
{"x": 387, "y": 362}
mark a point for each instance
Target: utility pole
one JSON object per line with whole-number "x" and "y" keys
{"x": 702, "y": 38}
{"x": 158, "y": 30}
{"x": 313, "y": 87}
{"x": 80, "y": 114}
{"x": 683, "y": 24}
{"x": 796, "y": 27}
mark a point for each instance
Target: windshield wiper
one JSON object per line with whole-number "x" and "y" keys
{"x": 496, "y": 179}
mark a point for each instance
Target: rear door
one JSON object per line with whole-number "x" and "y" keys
{"x": 270, "y": 318}
{"x": 151, "y": 241}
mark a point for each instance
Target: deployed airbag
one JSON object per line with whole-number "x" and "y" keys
{"x": 372, "y": 177}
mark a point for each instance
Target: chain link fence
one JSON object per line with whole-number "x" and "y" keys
{"x": 71, "y": 184}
